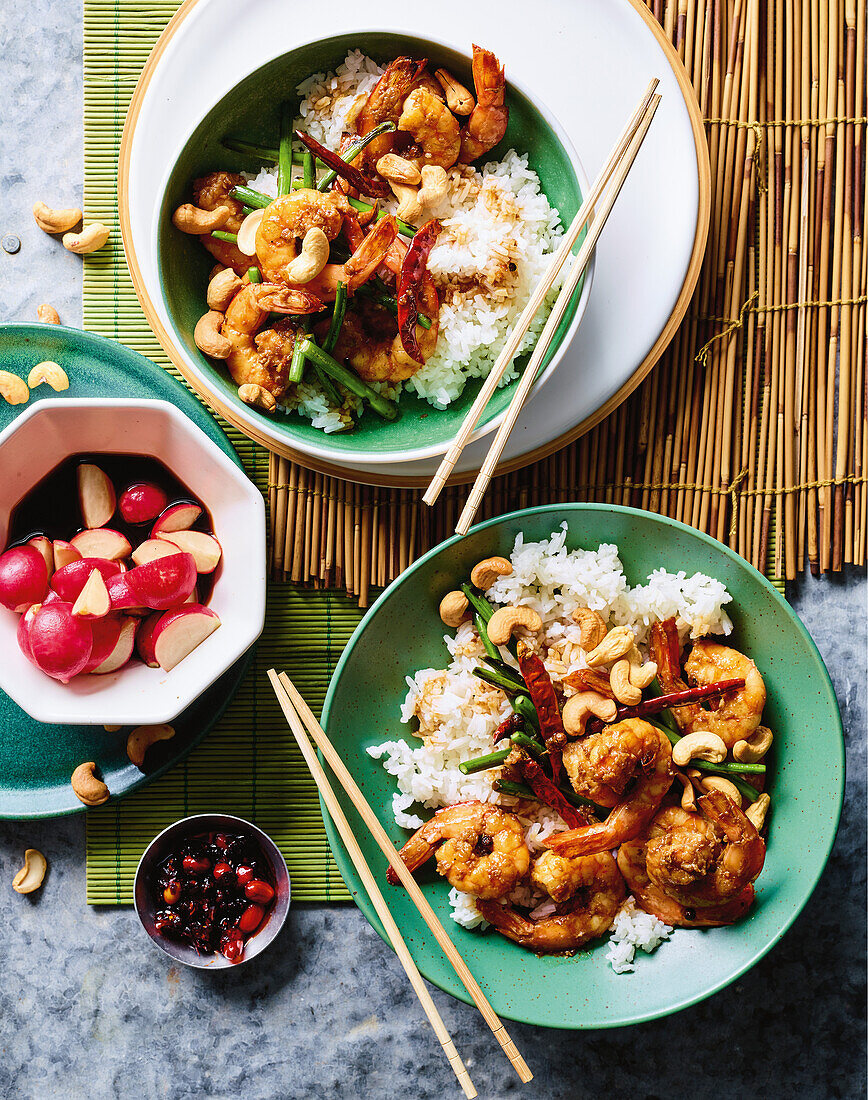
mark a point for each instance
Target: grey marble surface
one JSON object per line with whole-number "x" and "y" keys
{"x": 89, "y": 1009}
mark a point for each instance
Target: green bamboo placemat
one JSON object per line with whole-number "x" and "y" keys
{"x": 249, "y": 764}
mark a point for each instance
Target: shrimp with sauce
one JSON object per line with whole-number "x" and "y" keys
{"x": 631, "y": 748}
{"x": 386, "y": 102}
{"x": 212, "y": 192}
{"x": 287, "y": 219}
{"x": 479, "y": 847}
{"x": 587, "y": 892}
{"x": 433, "y": 127}
{"x": 489, "y": 118}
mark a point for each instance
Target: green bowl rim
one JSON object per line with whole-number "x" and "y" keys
{"x": 839, "y": 764}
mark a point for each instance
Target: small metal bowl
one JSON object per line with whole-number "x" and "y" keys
{"x": 162, "y": 845}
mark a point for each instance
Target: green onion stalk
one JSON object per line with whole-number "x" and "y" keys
{"x": 340, "y": 309}
{"x": 350, "y": 154}
{"x": 284, "y": 158}
{"x": 348, "y": 379}
{"x": 232, "y": 238}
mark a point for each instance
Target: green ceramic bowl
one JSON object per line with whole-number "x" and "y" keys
{"x": 402, "y": 633}
{"x": 251, "y": 110}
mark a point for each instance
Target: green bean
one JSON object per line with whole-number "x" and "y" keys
{"x": 665, "y": 716}
{"x": 296, "y": 367}
{"x": 521, "y": 790}
{"x": 483, "y": 607}
{"x": 284, "y": 159}
{"x": 358, "y": 204}
{"x": 349, "y": 155}
{"x": 730, "y": 771}
{"x": 489, "y": 676}
{"x": 528, "y": 743}
{"x": 308, "y": 175}
{"x": 349, "y": 380}
{"x": 232, "y": 238}
{"x": 490, "y": 648}
{"x": 249, "y": 197}
{"x": 327, "y": 385}
{"x": 483, "y": 763}
{"x": 254, "y": 274}
{"x": 263, "y": 153}
{"x": 523, "y": 705}
{"x": 337, "y": 318}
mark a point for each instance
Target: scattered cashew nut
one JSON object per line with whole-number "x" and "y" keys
{"x": 197, "y": 222}
{"x": 47, "y": 314}
{"x": 394, "y": 168}
{"x": 86, "y": 787}
{"x": 51, "y": 373}
{"x": 50, "y": 220}
{"x": 208, "y": 337}
{"x": 718, "y": 783}
{"x": 688, "y": 795}
{"x": 13, "y": 390}
{"x": 257, "y": 397}
{"x": 579, "y": 708}
{"x": 485, "y": 573}
{"x": 506, "y": 620}
{"x": 641, "y": 675}
{"x": 454, "y": 609}
{"x": 458, "y": 99}
{"x": 592, "y": 627}
{"x": 756, "y": 811}
{"x": 246, "y": 236}
{"x": 30, "y": 877}
{"x": 701, "y": 745}
{"x": 141, "y": 739}
{"x": 414, "y": 205}
{"x": 311, "y": 260}
{"x": 91, "y": 238}
{"x": 616, "y": 644}
{"x": 222, "y": 289}
{"x": 622, "y": 688}
{"x": 754, "y": 748}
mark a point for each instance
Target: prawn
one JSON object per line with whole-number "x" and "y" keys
{"x": 210, "y": 193}
{"x": 386, "y": 102}
{"x": 369, "y": 254}
{"x": 433, "y": 126}
{"x": 739, "y": 712}
{"x": 287, "y": 219}
{"x": 488, "y": 120}
{"x": 480, "y": 848}
{"x": 264, "y": 359}
{"x": 645, "y": 749}
{"x": 588, "y": 892}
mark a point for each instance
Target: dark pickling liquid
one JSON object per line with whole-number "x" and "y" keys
{"x": 51, "y": 507}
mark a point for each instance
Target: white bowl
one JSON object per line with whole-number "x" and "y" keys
{"x": 54, "y": 430}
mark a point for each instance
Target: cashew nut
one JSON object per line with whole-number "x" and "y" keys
{"x": 311, "y": 260}
{"x": 192, "y": 219}
{"x": 48, "y": 315}
{"x": 415, "y": 204}
{"x": 91, "y": 238}
{"x": 208, "y": 337}
{"x": 222, "y": 289}
{"x": 410, "y": 209}
{"x": 592, "y": 627}
{"x": 257, "y": 397}
{"x": 55, "y": 221}
{"x": 641, "y": 675}
{"x": 688, "y": 795}
{"x": 111, "y": 729}
{"x": 141, "y": 739}
{"x": 701, "y": 745}
{"x": 458, "y": 99}
{"x": 454, "y": 609}
{"x": 757, "y": 811}
{"x": 718, "y": 783}
{"x": 579, "y": 708}
{"x": 30, "y": 877}
{"x": 86, "y": 787}
{"x": 616, "y": 644}
{"x": 753, "y": 749}
{"x": 486, "y": 572}
{"x": 52, "y": 373}
{"x": 246, "y": 237}
{"x": 622, "y": 688}
{"x": 506, "y": 620}
{"x": 392, "y": 167}
{"x": 13, "y": 390}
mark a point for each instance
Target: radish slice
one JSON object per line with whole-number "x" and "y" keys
{"x": 96, "y": 495}
{"x": 122, "y": 598}
{"x": 46, "y": 549}
{"x": 122, "y": 651}
{"x": 179, "y": 517}
{"x": 64, "y": 553}
{"x": 179, "y": 632}
{"x": 70, "y": 579}
{"x": 145, "y": 640}
{"x": 106, "y": 634}
{"x": 164, "y": 582}
{"x": 23, "y": 578}
{"x": 60, "y": 643}
{"x": 103, "y": 542}
{"x": 151, "y": 549}
{"x": 142, "y": 502}
{"x": 93, "y": 601}
{"x": 204, "y": 548}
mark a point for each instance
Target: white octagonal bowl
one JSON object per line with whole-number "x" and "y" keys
{"x": 54, "y": 430}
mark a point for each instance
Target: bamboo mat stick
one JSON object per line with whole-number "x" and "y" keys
{"x": 373, "y": 890}
{"x": 282, "y": 684}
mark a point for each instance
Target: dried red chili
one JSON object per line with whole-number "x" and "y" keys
{"x": 543, "y": 696}
{"x": 413, "y": 271}
{"x": 367, "y": 185}
{"x": 508, "y": 727}
{"x": 547, "y": 792}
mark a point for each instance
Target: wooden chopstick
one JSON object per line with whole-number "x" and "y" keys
{"x": 371, "y": 886}
{"x": 419, "y": 900}
{"x": 527, "y": 315}
{"x": 555, "y": 317}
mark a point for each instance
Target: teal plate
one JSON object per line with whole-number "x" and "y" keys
{"x": 402, "y": 633}
{"x": 37, "y": 760}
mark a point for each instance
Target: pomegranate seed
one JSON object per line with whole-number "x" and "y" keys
{"x": 257, "y": 890}
{"x": 172, "y": 893}
{"x": 251, "y": 918}
{"x": 244, "y": 874}
{"x": 222, "y": 871}
{"x": 196, "y": 865}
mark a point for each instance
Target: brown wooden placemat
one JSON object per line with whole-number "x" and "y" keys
{"x": 752, "y": 425}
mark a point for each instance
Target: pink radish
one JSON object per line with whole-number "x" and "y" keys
{"x": 46, "y": 549}
{"x": 23, "y": 632}
{"x": 204, "y": 548}
{"x": 69, "y": 580}
{"x": 93, "y": 601}
{"x": 64, "y": 553}
{"x": 60, "y": 643}
{"x": 122, "y": 599}
{"x": 102, "y": 542}
{"x": 23, "y": 578}
{"x": 122, "y": 651}
{"x": 106, "y": 635}
{"x": 142, "y": 502}
{"x": 151, "y": 549}
{"x": 145, "y": 640}
{"x": 179, "y": 517}
{"x": 164, "y": 582}
{"x": 96, "y": 495}
{"x": 179, "y": 632}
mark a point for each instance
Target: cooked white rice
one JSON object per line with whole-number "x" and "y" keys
{"x": 457, "y": 713}
{"x": 498, "y": 231}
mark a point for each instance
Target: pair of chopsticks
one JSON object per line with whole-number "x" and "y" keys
{"x": 303, "y": 723}
{"x": 614, "y": 172}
